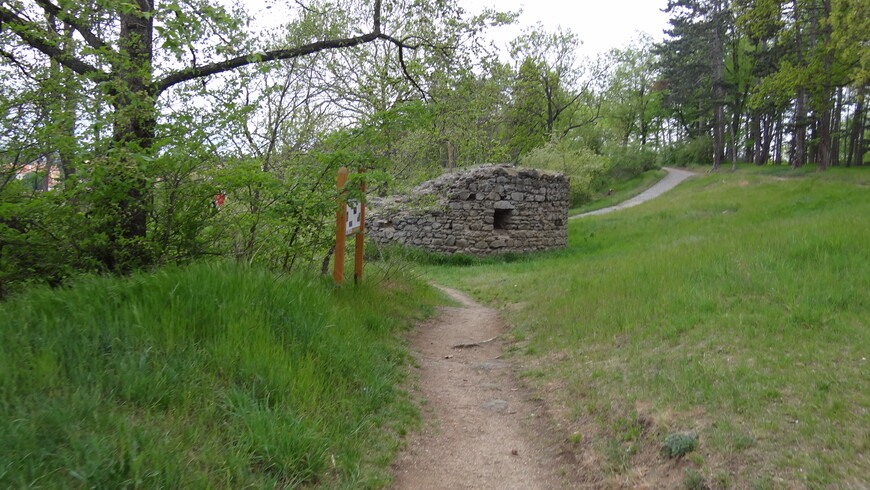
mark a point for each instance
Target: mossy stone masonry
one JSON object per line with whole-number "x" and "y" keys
{"x": 485, "y": 210}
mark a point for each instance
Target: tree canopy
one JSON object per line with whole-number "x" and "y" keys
{"x": 145, "y": 132}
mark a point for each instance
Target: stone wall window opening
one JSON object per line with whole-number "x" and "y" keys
{"x": 501, "y": 219}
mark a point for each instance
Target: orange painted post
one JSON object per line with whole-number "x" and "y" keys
{"x": 360, "y": 238}
{"x": 340, "y": 227}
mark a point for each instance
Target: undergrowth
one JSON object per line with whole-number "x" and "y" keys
{"x": 210, "y": 376}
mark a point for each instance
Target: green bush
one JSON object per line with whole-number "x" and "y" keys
{"x": 630, "y": 161}
{"x": 697, "y": 151}
{"x": 679, "y": 445}
{"x": 42, "y": 240}
{"x": 584, "y": 166}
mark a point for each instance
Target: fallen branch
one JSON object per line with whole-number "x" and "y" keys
{"x": 473, "y": 344}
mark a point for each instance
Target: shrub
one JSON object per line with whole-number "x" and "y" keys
{"x": 692, "y": 152}
{"x": 584, "y": 166}
{"x": 629, "y": 161}
{"x": 678, "y": 445}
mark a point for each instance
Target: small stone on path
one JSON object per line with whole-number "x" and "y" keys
{"x": 496, "y": 405}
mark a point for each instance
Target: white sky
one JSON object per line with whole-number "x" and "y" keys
{"x": 600, "y": 24}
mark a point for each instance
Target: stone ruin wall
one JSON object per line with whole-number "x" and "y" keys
{"x": 486, "y": 210}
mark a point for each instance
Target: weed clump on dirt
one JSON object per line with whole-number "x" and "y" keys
{"x": 679, "y": 445}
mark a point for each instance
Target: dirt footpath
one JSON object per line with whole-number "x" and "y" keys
{"x": 674, "y": 177}
{"x": 481, "y": 429}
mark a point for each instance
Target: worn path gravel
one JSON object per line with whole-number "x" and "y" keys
{"x": 674, "y": 177}
{"x": 482, "y": 430}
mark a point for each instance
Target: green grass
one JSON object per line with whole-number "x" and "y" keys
{"x": 211, "y": 376}
{"x": 622, "y": 191}
{"x": 852, "y": 175}
{"x": 735, "y": 307}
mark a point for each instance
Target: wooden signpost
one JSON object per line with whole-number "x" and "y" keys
{"x": 349, "y": 220}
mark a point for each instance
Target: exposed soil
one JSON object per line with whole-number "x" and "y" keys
{"x": 482, "y": 428}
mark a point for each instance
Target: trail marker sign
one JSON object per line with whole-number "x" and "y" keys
{"x": 354, "y": 216}
{"x": 350, "y": 219}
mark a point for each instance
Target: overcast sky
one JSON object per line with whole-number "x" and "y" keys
{"x": 600, "y": 24}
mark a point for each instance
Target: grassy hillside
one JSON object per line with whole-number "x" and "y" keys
{"x": 621, "y": 191}
{"x": 735, "y": 307}
{"x": 213, "y": 376}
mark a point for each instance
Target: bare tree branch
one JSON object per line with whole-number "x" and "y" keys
{"x": 28, "y": 32}
{"x": 408, "y": 75}
{"x": 285, "y": 54}
{"x": 307, "y": 8}
{"x": 89, "y": 37}
{"x": 591, "y": 120}
{"x": 278, "y": 54}
{"x": 24, "y": 69}
{"x": 560, "y": 110}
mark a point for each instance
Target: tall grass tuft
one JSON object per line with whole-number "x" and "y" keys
{"x": 215, "y": 375}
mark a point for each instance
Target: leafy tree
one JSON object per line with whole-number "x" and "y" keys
{"x": 132, "y": 53}
{"x": 632, "y": 102}
{"x": 470, "y": 114}
{"x": 812, "y": 66}
{"x": 551, "y": 94}
{"x": 693, "y": 67}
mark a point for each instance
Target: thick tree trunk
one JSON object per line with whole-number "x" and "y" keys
{"x": 65, "y": 118}
{"x": 63, "y": 114}
{"x": 769, "y": 123}
{"x": 798, "y": 150}
{"x": 836, "y": 127}
{"x": 644, "y": 125}
{"x": 757, "y": 142}
{"x": 67, "y": 150}
{"x": 46, "y": 179}
{"x": 718, "y": 96}
{"x": 550, "y": 96}
{"x": 777, "y": 147}
{"x": 733, "y": 150}
{"x": 133, "y": 134}
{"x": 823, "y": 160}
{"x": 799, "y": 155}
{"x": 733, "y": 147}
{"x": 718, "y": 136}
{"x": 858, "y": 133}
{"x": 850, "y": 138}
{"x": 754, "y": 152}
{"x": 718, "y": 89}
{"x": 824, "y": 137}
